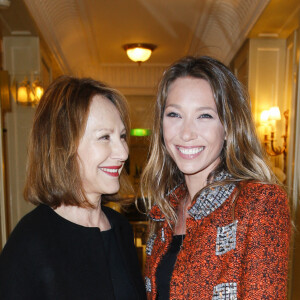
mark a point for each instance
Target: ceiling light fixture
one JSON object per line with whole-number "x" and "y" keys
{"x": 139, "y": 52}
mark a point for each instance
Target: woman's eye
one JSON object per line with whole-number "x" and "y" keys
{"x": 124, "y": 136}
{"x": 173, "y": 115}
{"x": 104, "y": 137}
{"x": 205, "y": 116}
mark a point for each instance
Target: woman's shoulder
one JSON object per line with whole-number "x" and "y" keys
{"x": 26, "y": 238}
{"x": 253, "y": 194}
{"x": 29, "y": 227}
{"x": 262, "y": 189}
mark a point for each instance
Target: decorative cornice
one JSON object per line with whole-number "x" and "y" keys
{"x": 133, "y": 79}
{"x": 226, "y": 26}
{"x": 68, "y": 28}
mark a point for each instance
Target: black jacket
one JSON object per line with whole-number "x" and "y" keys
{"x": 48, "y": 257}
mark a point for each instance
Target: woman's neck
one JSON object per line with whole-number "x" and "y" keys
{"x": 197, "y": 181}
{"x": 194, "y": 184}
{"x": 88, "y": 217}
{"x": 182, "y": 215}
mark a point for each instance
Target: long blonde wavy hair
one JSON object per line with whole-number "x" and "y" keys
{"x": 242, "y": 155}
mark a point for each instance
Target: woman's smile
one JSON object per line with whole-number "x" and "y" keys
{"x": 189, "y": 152}
{"x": 111, "y": 171}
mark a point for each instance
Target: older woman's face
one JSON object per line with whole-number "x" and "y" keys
{"x": 102, "y": 149}
{"x": 193, "y": 133}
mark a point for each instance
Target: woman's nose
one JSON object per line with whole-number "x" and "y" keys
{"x": 120, "y": 150}
{"x": 188, "y": 131}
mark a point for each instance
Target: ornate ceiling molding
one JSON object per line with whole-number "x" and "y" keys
{"x": 132, "y": 79}
{"x": 224, "y": 27}
{"x": 70, "y": 29}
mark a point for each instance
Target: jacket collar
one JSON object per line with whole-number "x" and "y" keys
{"x": 208, "y": 200}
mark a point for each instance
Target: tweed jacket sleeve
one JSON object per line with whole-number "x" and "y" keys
{"x": 265, "y": 266}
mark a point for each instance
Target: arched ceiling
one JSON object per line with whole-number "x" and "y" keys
{"x": 85, "y": 35}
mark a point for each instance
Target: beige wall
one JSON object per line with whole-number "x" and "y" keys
{"x": 294, "y": 161}
{"x": 260, "y": 65}
{"x": 22, "y": 57}
{"x": 141, "y": 115}
{"x": 18, "y": 125}
{"x": 3, "y": 226}
{"x": 270, "y": 70}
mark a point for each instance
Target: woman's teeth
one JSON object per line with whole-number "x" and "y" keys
{"x": 110, "y": 170}
{"x": 189, "y": 151}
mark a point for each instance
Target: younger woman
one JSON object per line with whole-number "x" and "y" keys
{"x": 220, "y": 226}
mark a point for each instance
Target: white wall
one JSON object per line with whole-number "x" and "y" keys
{"x": 21, "y": 58}
{"x": 18, "y": 124}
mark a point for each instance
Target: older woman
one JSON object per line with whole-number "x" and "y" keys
{"x": 220, "y": 225}
{"x": 70, "y": 246}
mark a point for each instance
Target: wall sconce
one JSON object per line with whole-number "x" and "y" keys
{"x": 29, "y": 93}
{"x": 139, "y": 52}
{"x": 269, "y": 117}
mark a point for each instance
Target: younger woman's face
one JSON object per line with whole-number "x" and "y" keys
{"x": 102, "y": 149}
{"x": 192, "y": 131}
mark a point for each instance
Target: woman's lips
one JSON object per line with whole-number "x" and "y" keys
{"x": 111, "y": 170}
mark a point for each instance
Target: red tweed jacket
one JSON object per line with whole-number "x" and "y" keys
{"x": 230, "y": 251}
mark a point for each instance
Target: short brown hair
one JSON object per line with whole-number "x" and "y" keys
{"x": 53, "y": 176}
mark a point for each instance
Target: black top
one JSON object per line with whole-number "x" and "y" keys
{"x": 49, "y": 257}
{"x": 118, "y": 274}
{"x": 166, "y": 266}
